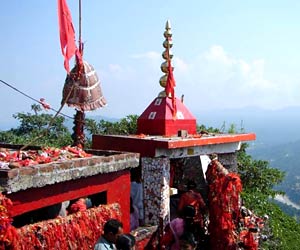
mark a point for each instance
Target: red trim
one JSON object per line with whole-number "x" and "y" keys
{"x": 146, "y": 145}
{"x": 212, "y": 140}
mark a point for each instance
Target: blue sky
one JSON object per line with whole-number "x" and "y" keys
{"x": 227, "y": 54}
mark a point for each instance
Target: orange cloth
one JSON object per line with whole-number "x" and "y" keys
{"x": 194, "y": 199}
{"x": 79, "y": 205}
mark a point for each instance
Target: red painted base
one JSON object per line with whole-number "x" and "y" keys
{"x": 116, "y": 184}
{"x": 165, "y": 127}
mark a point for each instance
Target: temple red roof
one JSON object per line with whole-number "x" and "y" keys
{"x": 157, "y": 119}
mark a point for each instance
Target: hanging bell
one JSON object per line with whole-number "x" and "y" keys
{"x": 82, "y": 88}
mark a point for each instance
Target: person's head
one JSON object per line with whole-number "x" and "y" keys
{"x": 188, "y": 215}
{"x": 125, "y": 242}
{"x": 112, "y": 229}
{"x": 191, "y": 185}
{"x": 136, "y": 175}
{"x": 187, "y": 241}
{"x": 188, "y": 212}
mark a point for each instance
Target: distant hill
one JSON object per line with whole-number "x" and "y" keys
{"x": 285, "y": 157}
{"x": 272, "y": 127}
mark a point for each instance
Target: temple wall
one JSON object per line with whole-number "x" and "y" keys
{"x": 36, "y": 176}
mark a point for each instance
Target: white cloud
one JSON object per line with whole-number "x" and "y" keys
{"x": 115, "y": 68}
{"x": 152, "y": 55}
{"x": 217, "y": 54}
{"x": 119, "y": 72}
{"x": 224, "y": 81}
{"x": 214, "y": 79}
{"x": 180, "y": 65}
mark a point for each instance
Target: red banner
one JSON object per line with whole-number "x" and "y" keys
{"x": 66, "y": 32}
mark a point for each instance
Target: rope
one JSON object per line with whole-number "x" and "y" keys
{"x": 35, "y": 100}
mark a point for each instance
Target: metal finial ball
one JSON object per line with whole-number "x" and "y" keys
{"x": 162, "y": 94}
{"x": 168, "y": 44}
{"x": 163, "y": 81}
{"x": 165, "y": 54}
{"x": 164, "y": 67}
{"x": 168, "y": 33}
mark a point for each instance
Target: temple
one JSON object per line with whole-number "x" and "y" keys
{"x": 167, "y": 148}
{"x": 171, "y": 150}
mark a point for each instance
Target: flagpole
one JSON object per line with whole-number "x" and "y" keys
{"x": 78, "y": 129}
{"x": 79, "y": 38}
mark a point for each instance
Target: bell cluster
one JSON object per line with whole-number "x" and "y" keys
{"x": 166, "y": 55}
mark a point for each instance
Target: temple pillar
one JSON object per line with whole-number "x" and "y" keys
{"x": 229, "y": 161}
{"x": 156, "y": 179}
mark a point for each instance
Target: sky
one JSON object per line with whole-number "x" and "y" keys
{"x": 227, "y": 54}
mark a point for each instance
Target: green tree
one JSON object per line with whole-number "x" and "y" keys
{"x": 40, "y": 129}
{"x": 125, "y": 126}
{"x": 203, "y": 129}
{"x": 257, "y": 175}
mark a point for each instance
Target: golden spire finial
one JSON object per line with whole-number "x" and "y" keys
{"x": 166, "y": 55}
{"x": 168, "y": 25}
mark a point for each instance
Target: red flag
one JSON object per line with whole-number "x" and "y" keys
{"x": 170, "y": 88}
{"x": 66, "y": 32}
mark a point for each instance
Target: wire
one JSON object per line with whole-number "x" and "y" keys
{"x": 50, "y": 122}
{"x": 14, "y": 88}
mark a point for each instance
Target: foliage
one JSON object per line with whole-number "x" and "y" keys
{"x": 230, "y": 130}
{"x": 203, "y": 128}
{"x": 125, "y": 126}
{"x": 257, "y": 176}
{"x": 38, "y": 129}
{"x": 258, "y": 182}
{"x": 290, "y": 210}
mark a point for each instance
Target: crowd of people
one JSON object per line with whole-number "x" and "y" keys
{"x": 216, "y": 221}
{"x": 187, "y": 231}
